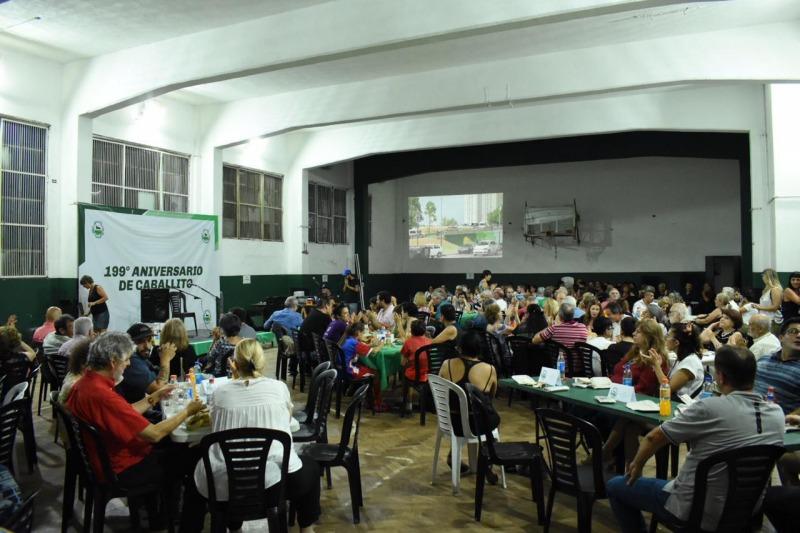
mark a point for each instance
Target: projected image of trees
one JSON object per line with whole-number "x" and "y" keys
{"x": 455, "y": 226}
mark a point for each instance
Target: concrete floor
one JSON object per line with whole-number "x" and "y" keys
{"x": 396, "y": 457}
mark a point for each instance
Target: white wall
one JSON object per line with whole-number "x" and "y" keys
{"x": 640, "y": 214}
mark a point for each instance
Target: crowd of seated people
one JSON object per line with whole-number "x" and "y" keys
{"x": 116, "y": 380}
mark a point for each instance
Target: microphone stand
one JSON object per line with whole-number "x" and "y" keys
{"x": 217, "y": 298}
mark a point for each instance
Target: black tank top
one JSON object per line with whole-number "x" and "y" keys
{"x": 93, "y": 297}
{"x": 789, "y": 309}
{"x": 455, "y": 413}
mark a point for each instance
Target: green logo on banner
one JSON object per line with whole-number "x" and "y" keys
{"x": 97, "y": 229}
{"x": 205, "y": 236}
{"x": 207, "y": 317}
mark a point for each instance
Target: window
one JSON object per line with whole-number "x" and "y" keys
{"x": 251, "y": 204}
{"x": 327, "y": 214}
{"x": 127, "y": 175}
{"x": 23, "y": 182}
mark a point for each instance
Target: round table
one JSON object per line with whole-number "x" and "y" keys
{"x": 386, "y": 361}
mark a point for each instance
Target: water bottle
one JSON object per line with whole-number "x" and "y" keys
{"x": 210, "y": 391}
{"x": 198, "y": 372}
{"x": 708, "y": 387}
{"x": 771, "y": 394}
{"x": 562, "y": 367}
{"x": 627, "y": 376}
{"x": 664, "y": 398}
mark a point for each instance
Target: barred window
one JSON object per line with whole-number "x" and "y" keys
{"x": 327, "y": 214}
{"x": 252, "y": 204}
{"x": 23, "y": 182}
{"x": 127, "y": 175}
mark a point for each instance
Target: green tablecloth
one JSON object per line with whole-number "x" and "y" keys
{"x": 386, "y": 362}
{"x": 202, "y": 347}
{"x": 585, "y": 398}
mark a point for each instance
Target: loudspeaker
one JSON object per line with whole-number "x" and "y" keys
{"x": 155, "y": 305}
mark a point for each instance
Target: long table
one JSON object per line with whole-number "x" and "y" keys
{"x": 202, "y": 347}
{"x": 585, "y": 398}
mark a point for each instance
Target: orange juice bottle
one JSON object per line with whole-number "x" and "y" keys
{"x": 664, "y": 397}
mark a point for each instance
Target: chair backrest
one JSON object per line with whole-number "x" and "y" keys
{"x": 352, "y": 421}
{"x": 336, "y": 355}
{"x": 89, "y": 445}
{"x": 57, "y": 366}
{"x": 17, "y": 368}
{"x": 313, "y": 391}
{"x": 459, "y": 314}
{"x": 440, "y": 390}
{"x": 322, "y": 404}
{"x": 177, "y": 303}
{"x": 17, "y": 392}
{"x": 582, "y": 355}
{"x": 246, "y": 451}
{"x": 749, "y": 469}
{"x": 563, "y": 433}
{"x": 494, "y": 353}
{"x": 22, "y": 520}
{"x": 481, "y": 417}
{"x": 320, "y": 347}
{"x": 552, "y": 350}
{"x": 10, "y": 416}
{"x": 424, "y": 316}
{"x": 437, "y": 354}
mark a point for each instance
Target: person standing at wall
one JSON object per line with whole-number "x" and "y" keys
{"x": 97, "y": 304}
{"x": 351, "y": 290}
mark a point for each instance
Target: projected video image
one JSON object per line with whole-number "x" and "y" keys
{"x": 455, "y": 226}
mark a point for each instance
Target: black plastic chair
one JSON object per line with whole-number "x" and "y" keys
{"x": 246, "y": 452}
{"x": 320, "y": 348}
{"x": 10, "y": 418}
{"x": 74, "y": 470}
{"x": 315, "y": 427}
{"x": 177, "y": 306}
{"x": 22, "y": 520}
{"x": 300, "y": 357}
{"x": 344, "y": 453}
{"x": 424, "y": 316}
{"x": 494, "y": 354}
{"x": 344, "y": 381}
{"x": 564, "y": 434}
{"x": 749, "y": 469}
{"x": 18, "y": 369}
{"x": 282, "y": 363}
{"x": 583, "y": 353}
{"x": 48, "y": 379}
{"x": 104, "y": 486}
{"x": 305, "y": 413}
{"x": 503, "y": 454}
{"x": 436, "y": 354}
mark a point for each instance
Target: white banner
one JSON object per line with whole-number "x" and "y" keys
{"x": 126, "y": 253}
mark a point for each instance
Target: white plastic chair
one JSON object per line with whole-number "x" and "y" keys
{"x": 17, "y": 392}
{"x": 440, "y": 389}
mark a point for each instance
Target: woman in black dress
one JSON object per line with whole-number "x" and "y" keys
{"x": 97, "y": 304}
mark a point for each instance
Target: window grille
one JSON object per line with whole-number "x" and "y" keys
{"x": 23, "y": 183}
{"x": 327, "y": 214}
{"x": 252, "y": 203}
{"x": 127, "y": 175}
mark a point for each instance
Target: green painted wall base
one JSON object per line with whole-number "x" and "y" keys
{"x": 29, "y": 298}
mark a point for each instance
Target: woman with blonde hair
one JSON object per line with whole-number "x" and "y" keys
{"x": 550, "y": 309}
{"x": 771, "y": 297}
{"x": 251, "y": 400}
{"x": 421, "y": 302}
{"x": 174, "y": 331}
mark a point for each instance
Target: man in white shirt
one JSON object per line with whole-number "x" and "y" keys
{"x": 764, "y": 342}
{"x": 604, "y": 329}
{"x": 731, "y": 293}
{"x": 82, "y": 328}
{"x": 386, "y": 310}
{"x": 62, "y": 334}
{"x": 648, "y": 295}
{"x": 499, "y": 299}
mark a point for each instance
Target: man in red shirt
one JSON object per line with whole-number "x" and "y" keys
{"x": 127, "y": 434}
{"x": 566, "y": 330}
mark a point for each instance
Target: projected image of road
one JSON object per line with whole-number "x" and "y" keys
{"x": 455, "y": 226}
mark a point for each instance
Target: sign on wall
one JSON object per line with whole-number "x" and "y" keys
{"x": 128, "y": 251}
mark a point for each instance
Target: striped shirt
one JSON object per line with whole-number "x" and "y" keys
{"x": 784, "y": 376}
{"x": 567, "y": 333}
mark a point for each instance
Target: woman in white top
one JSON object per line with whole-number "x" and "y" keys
{"x": 772, "y": 296}
{"x": 686, "y": 377}
{"x": 251, "y": 400}
{"x": 604, "y": 330}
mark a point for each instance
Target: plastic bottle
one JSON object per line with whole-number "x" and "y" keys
{"x": 210, "y": 391}
{"x": 771, "y": 394}
{"x": 561, "y": 363}
{"x": 627, "y": 376}
{"x": 708, "y": 387}
{"x": 664, "y": 398}
{"x": 173, "y": 379}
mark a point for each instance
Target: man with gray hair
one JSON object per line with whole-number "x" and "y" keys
{"x": 764, "y": 342}
{"x": 82, "y": 328}
{"x": 566, "y": 330}
{"x": 648, "y": 295}
{"x": 730, "y": 292}
{"x": 578, "y": 312}
{"x": 290, "y": 320}
{"x": 128, "y": 436}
